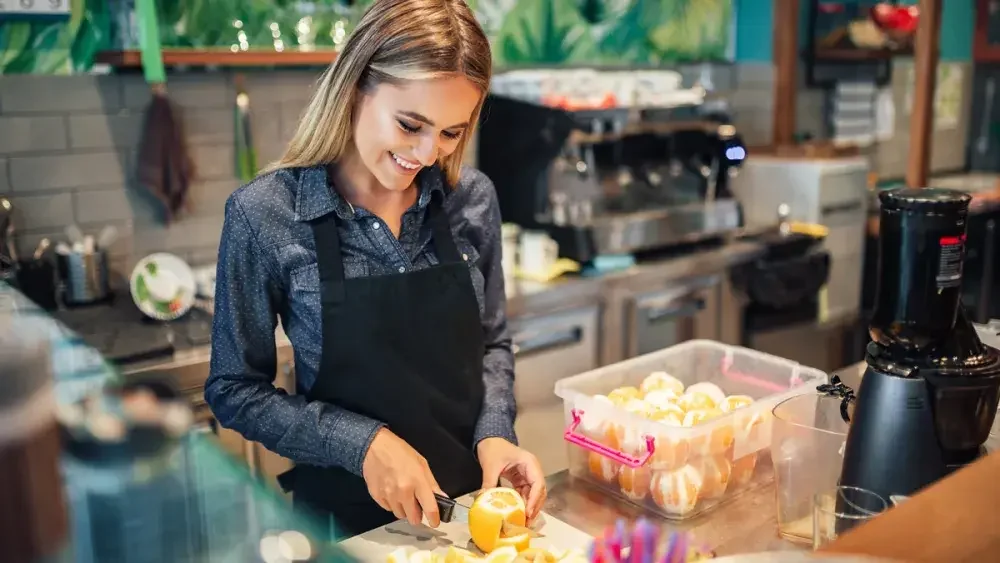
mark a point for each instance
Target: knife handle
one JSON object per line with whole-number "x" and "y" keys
{"x": 446, "y": 507}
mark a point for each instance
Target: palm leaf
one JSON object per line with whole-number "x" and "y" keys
{"x": 536, "y": 32}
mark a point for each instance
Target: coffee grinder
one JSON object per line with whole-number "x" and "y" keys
{"x": 928, "y": 398}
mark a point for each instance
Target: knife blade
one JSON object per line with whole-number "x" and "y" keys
{"x": 450, "y": 510}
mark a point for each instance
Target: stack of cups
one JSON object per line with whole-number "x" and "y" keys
{"x": 33, "y": 517}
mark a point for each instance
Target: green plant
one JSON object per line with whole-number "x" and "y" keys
{"x": 55, "y": 47}
{"x": 544, "y": 32}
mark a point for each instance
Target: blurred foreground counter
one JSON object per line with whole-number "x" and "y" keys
{"x": 956, "y": 520}
{"x": 95, "y": 468}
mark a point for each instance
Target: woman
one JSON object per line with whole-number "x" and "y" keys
{"x": 381, "y": 256}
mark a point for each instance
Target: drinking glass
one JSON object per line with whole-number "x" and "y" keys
{"x": 842, "y": 508}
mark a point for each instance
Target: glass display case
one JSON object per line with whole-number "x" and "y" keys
{"x": 136, "y": 495}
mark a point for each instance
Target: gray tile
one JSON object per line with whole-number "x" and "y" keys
{"x": 265, "y": 123}
{"x": 280, "y": 85}
{"x": 106, "y": 204}
{"x": 183, "y": 234}
{"x": 79, "y": 92}
{"x": 754, "y": 74}
{"x": 268, "y": 152}
{"x": 121, "y": 130}
{"x": 32, "y": 133}
{"x": 46, "y": 211}
{"x": 208, "y": 199}
{"x": 206, "y": 126}
{"x": 4, "y": 185}
{"x": 39, "y": 173}
{"x": 209, "y": 90}
{"x": 291, "y": 112}
{"x": 213, "y": 163}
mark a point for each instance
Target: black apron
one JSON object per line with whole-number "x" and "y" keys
{"x": 405, "y": 349}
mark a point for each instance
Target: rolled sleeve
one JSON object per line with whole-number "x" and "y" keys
{"x": 499, "y": 409}
{"x": 240, "y": 388}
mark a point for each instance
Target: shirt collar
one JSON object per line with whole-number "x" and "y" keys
{"x": 316, "y": 196}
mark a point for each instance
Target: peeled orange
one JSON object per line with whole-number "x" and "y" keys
{"x": 622, "y": 395}
{"x": 718, "y": 441}
{"x": 713, "y": 391}
{"x": 487, "y": 516}
{"x": 602, "y": 468}
{"x": 742, "y": 471}
{"x": 715, "y": 473}
{"x": 661, "y": 380}
{"x": 695, "y": 401}
{"x": 635, "y": 481}
{"x": 676, "y": 492}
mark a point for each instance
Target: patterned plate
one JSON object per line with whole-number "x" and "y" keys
{"x": 162, "y": 286}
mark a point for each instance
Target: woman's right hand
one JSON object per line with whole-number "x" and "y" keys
{"x": 400, "y": 480}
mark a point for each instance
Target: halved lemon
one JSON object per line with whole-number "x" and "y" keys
{"x": 487, "y": 516}
{"x": 505, "y": 554}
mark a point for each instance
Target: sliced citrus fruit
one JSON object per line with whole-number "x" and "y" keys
{"x": 717, "y": 441}
{"x": 536, "y": 555}
{"x": 505, "y": 554}
{"x": 458, "y": 555}
{"x": 622, "y": 395}
{"x": 400, "y": 555}
{"x": 661, "y": 380}
{"x": 695, "y": 401}
{"x": 713, "y": 391}
{"x": 733, "y": 402}
{"x": 489, "y": 512}
{"x": 661, "y": 398}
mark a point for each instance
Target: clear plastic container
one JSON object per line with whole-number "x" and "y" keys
{"x": 679, "y": 471}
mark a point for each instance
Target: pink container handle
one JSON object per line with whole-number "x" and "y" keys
{"x": 621, "y": 457}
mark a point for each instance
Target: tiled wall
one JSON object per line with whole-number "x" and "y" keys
{"x": 69, "y": 145}
{"x": 68, "y": 148}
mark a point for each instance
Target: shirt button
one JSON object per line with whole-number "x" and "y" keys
{"x": 375, "y": 226}
{"x": 402, "y": 269}
{"x": 465, "y": 257}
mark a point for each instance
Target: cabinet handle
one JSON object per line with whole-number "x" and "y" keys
{"x": 684, "y": 308}
{"x": 535, "y": 343}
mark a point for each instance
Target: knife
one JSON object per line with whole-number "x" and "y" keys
{"x": 451, "y": 511}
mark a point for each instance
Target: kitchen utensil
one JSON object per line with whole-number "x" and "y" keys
{"x": 37, "y": 281}
{"x": 85, "y": 277}
{"x": 842, "y": 508}
{"x": 43, "y": 245}
{"x": 807, "y": 434}
{"x": 162, "y": 286}
{"x": 107, "y": 236}
{"x": 929, "y": 396}
{"x": 450, "y": 510}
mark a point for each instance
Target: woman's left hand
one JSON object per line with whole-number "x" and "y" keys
{"x": 500, "y": 458}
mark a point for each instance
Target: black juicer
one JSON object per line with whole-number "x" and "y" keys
{"x": 927, "y": 401}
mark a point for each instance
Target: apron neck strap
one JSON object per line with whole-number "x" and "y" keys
{"x": 444, "y": 242}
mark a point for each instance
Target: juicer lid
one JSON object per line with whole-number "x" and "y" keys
{"x": 925, "y": 199}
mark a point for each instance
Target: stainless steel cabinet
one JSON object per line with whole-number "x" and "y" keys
{"x": 684, "y": 310}
{"x": 546, "y": 349}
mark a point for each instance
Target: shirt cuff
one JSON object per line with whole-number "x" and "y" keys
{"x": 494, "y": 424}
{"x": 348, "y": 438}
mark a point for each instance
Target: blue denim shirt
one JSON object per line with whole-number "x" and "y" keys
{"x": 267, "y": 269}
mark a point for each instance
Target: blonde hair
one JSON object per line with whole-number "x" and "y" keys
{"x": 395, "y": 41}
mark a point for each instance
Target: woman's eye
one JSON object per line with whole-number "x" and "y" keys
{"x": 451, "y": 135}
{"x": 407, "y": 127}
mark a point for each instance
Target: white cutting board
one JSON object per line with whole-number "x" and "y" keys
{"x": 376, "y": 545}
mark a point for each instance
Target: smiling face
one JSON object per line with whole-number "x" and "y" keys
{"x": 398, "y": 130}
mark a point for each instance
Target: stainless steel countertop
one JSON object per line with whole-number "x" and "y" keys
{"x": 746, "y": 523}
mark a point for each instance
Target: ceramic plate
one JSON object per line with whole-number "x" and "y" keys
{"x": 162, "y": 286}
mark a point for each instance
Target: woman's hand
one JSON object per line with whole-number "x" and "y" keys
{"x": 500, "y": 458}
{"x": 400, "y": 480}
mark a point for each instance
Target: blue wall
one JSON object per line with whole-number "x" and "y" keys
{"x": 755, "y": 26}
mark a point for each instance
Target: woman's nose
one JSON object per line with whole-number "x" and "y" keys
{"x": 426, "y": 151}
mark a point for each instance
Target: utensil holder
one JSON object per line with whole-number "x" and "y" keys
{"x": 84, "y": 277}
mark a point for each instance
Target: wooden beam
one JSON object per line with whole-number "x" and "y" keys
{"x": 786, "y": 66}
{"x": 925, "y": 61}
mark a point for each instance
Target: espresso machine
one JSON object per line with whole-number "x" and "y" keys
{"x": 928, "y": 397}
{"x": 611, "y": 181}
